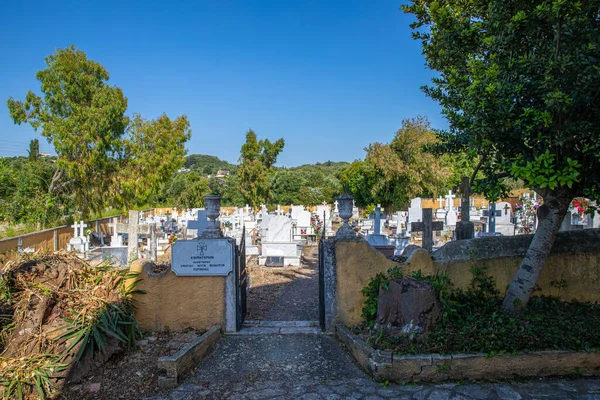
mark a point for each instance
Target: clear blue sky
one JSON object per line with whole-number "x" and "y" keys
{"x": 328, "y": 76}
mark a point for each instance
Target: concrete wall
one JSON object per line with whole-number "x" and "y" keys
{"x": 176, "y": 303}
{"x": 575, "y": 258}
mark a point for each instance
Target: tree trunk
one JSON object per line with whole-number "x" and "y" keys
{"x": 550, "y": 215}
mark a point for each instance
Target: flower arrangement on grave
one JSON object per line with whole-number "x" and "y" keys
{"x": 227, "y": 224}
{"x": 526, "y": 212}
{"x": 580, "y": 206}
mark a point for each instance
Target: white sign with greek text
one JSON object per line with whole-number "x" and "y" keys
{"x": 212, "y": 257}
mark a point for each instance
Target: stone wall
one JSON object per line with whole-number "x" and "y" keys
{"x": 575, "y": 260}
{"x": 176, "y": 303}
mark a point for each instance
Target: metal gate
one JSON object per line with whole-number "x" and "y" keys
{"x": 241, "y": 286}
{"x": 322, "y": 278}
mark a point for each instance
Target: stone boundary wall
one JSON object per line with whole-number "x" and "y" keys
{"x": 384, "y": 366}
{"x": 572, "y": 271}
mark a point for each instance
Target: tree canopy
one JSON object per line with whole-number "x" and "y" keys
{"x": 257, "y": 158}
{"x": 104, "y": 158}
{"x": 405, "y": 168}
{"x": 519, "y": 82}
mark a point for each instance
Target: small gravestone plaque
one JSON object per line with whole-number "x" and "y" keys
{"x": 213, "y": 257}
{"x": 274, "y": 261}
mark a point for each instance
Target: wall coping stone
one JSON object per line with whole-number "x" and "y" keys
{"x": 581, "y": 241}
{"x": 476, "y": 366}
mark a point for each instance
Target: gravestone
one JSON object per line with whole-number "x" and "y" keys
{"x": 278, "y": 241}
{"x": 202, "y": 257}
{"x": 134, "y": 229}
{"x": 451, "y": 218}
{"x": 78, "y": 242}
{"x": 450, "y": 200}
{"x": 492, "y": 217}
{"x": 415, "y": 211}
{"x": 427, "y": 226}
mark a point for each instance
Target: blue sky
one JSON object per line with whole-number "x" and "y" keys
{"x": 329, "y": 77}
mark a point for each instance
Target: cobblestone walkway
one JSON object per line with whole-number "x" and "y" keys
{"x": 311, "y": 367}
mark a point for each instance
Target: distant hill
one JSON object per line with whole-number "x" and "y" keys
{"x": 207, "y": 165}
{"x": 331, "y": 168}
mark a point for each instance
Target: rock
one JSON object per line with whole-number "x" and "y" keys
{"x": 408, "y": 306}
{"x": 142, "y": 343}
{"x": 92, "y": 387}
{"x": 151, "y": 339}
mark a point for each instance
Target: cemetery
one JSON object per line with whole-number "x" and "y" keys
{"x": 455, "y": 257}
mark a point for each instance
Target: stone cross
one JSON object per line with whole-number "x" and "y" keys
{"x": 133, "y": 230}
{"x": 199, "y": 224}
{"x": 450, "y": 200}
{"x": 278, "y": 209}
{"x": 377, "y": 228}
{"x": 75, "y": 227}
{"x": 81, "y": 226}
{"x": 247, "y": 209}
{"x": 427, "y": 227}
{"x": 114, "y": 240}
{"x": 492, "y": 217}
{"x": 441, "y": 201}
{"x": 336, "y": 208}
{"x": 324, "y": 203}
{"x": 465, "y": 229}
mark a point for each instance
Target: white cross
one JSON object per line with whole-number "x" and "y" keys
{"x": 324, "y": 203}
{"x": 449, "y": 200}
{"x": 441, "y": 200}
{"x": 75, "y": 226}
{"x": 247, "y": 209}
{"x": 278, "y": 209}
{"x": 81, "y": 226}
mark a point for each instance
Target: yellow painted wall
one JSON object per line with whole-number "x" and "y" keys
{"x": 176, "y": 303}
{"x": 357, "y": 263}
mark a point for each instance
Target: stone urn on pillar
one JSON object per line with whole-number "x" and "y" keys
{"x": 345, "y": 204}
{"x": 213, "y": 208}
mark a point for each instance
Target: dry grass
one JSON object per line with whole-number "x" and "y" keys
{"x": 62, "y": 309}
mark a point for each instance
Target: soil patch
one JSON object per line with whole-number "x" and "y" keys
{"x": 285, "y": 293}
{"x": 132, "y": 375}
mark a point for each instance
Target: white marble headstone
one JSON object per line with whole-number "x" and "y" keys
{"x": 279, "y": 229}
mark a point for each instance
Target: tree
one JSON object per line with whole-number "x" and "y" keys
{"x": 286, "y": 185}
{"x": 256, "y": 161}
{"x": 150, "y": 155}
{"x": 187, "y": 190}
{"x": 519, "y": 83}
{"x": 34, "y": 149}
{"x": 402, "y": 169}
{"x": 102, "y": 156}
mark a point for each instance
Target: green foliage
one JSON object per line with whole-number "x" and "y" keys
{"x": 103, "y": 158}
{"x": 256, "y": 161}
{"x": 518, "y": 82}
{"x": 151, "y": 154}
{"x": 473, "y": 321}
{"x": 187, "y": 190}
{"x": 34, "y": 150}
{"x": 207, "y": 165}
{"x": 394, "y": 173}
{"x": 371, "y": 292}
{"x": 29, "y": 374}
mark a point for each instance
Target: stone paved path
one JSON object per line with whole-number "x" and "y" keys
{"x": 311, "y": 367}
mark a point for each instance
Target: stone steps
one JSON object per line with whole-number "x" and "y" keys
{"x": 256, "y": 327}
